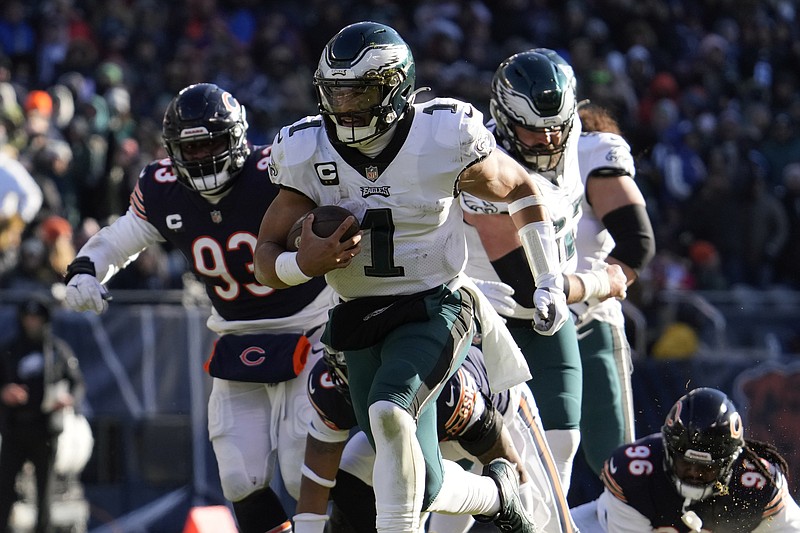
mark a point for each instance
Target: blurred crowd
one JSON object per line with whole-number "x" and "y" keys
{"x": 706, "y": 91}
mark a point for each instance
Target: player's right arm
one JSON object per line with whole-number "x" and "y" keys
{"x": 497, "y": 177}
{"x": 618, "y": 517}
{"x": 787, "y": 518}
{"x": 104, "y": 254}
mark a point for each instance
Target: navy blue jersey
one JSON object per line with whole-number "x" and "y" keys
{"x": 462, "y": 400}
{"x": 635, "y": 475}
{"x": 466, "y": 390}
{"x": 219, "y": 239}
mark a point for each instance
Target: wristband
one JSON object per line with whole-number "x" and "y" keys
{"x": 595, "y": 284}
{"x": 316, "y": 478}
{"x": 310, "y": 522}
{"x": 288, "y": 271}
{"x": 80, "y": 265}
{"x": 522, "y": 203}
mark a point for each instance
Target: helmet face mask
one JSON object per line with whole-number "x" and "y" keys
{"x": 337, "y": 369}
{"x": 534, "y": 91}
{"x": 703, "y": 436}
{"x": 204, "y": 133}
{"x": 364, "y": 81}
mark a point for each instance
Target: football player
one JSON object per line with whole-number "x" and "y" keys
{"x": 534, "y": 118}
{"x": 408, "y": 313}
{"x": 207, "y": 199}
{"x": 698, "y": 474}
{"x": 472, "y": 424}
{"x": 614, "y": 229}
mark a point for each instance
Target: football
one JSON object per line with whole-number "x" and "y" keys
{"x": 326, "y": 219}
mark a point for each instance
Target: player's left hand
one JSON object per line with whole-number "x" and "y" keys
{"x": 499, "y": 295}
{"x": 551, "y": 310}
{"x": 618, "y": 283}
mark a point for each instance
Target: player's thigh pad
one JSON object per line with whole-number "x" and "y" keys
{"x": 293, "y": 425}
{"x": 242, "y": 435}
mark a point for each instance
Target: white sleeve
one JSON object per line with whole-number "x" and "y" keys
{"x": 321, "y": 431}
{"x": 618, "y": 517}
{"x": 784, "y": 521}
{"x": 114, "y": 246}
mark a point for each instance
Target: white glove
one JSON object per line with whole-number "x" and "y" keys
{"x": 551, "y": 310}
{"x": 85, "y": 293}
{"x": 499, "y": 295}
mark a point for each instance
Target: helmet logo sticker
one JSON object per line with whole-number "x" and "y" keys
{"x": 230, "y": 102}
{"x": 736, "y": 425}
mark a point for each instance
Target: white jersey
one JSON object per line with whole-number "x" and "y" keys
{"x": 599, "y": 150}
{"x": 404, "y": 198}
{"x": 562, "y": 190}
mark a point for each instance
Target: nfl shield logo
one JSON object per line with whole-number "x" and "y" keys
{"x": 216, "y": 217}
{"x": 372, "y": 173}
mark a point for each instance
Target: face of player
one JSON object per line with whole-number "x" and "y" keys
{"x": 201, "y": 149}
{"x": 695, "y": 473}
{"x": 540, "y": 138}
{"x": 352, "y": 106}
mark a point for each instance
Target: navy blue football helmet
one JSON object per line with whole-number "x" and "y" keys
{"x": 205, "y": 134}
{"x": 705, "y": 429}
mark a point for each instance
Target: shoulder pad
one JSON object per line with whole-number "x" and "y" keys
{"x": 302, "y": 136}
{"x": 602, "y": 150}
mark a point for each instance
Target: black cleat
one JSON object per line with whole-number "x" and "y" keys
{"x": 512, "y": 515}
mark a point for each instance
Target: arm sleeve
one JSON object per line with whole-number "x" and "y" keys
{"x": 633, "y": 235}
{"x": 617, "y": 517}
{"x": 114, "y": 246}
{"x": 321, "y": 431}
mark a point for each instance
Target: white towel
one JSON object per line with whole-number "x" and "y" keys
{"x": 505, "y": 364}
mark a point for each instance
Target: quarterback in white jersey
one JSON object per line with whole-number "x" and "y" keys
{"x": 614, "y": 229}
{"x": 408, "y": 313}
{"x": 535, "y": 120}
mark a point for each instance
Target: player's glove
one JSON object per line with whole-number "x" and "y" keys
{"x": 551, "y": 309}
{"x": 84, "y": 292}
{"x": 499, "y": 295}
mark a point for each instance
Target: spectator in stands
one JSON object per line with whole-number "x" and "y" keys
{"x": 781, "y": 147}
{"x": 789, "y": 263}
{"x": 20, "y": 202}
{"x": 39, "y": 376}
